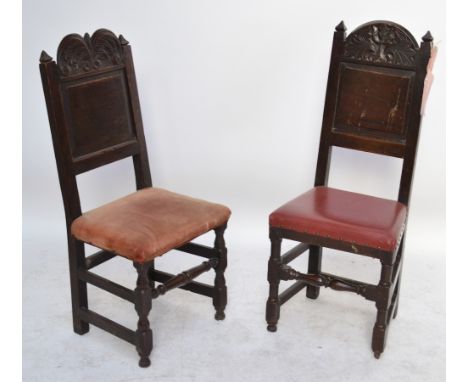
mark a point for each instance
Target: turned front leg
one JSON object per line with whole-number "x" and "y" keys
{"x": 143, "y": 300}
{"x": 379, "y": 335}
{"x": 220, "y": 289}
{"x": 274, "y": 264}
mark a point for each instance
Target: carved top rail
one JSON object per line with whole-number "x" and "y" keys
{"x": 78, "y": 55}
{"x": 381, "y": 42}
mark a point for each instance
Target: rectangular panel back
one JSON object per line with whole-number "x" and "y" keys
{"x": 98, "y": 114}
{"x": 372, "y": 108}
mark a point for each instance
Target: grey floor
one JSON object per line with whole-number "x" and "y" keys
{"x": 328, "y": 338}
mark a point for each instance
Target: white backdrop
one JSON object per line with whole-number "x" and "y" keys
{"x": 232, "y": 96}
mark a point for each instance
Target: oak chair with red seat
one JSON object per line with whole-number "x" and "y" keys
{"x": 95, "y": 119}
{"x": 373, "y": 103}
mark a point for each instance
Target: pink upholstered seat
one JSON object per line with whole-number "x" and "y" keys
{"x": 148, "y": 223}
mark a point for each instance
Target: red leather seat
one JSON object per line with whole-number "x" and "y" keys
{"x": 343, "y": 215}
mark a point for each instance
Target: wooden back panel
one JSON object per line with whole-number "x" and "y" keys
{"x": 93, "y": 108}
{"x": 374, "y": 95}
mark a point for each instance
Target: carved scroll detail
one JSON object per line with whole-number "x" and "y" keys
{"x": 385, "y": 43}
{"x": 78, "y": 54}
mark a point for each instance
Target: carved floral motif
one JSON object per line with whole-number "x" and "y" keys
{"x": 381, "y": 43}
{"x": 78, "y": 54}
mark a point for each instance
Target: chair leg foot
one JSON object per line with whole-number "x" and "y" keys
{"x": 144, "y": 345}
{"x": 312, "y": 292}
{"x": 144, "y": 362}
{"x": 379, "y": 334}
{"x": 379, "y": 337}
{"x": 81, "y": 328}
{"x": 272, "y": 328}
{"x": 272, "y": 314}
{"x": 219, "y": 302}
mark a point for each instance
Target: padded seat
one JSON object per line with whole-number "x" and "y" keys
{"x": 148, "y": 223}
{"x": 343, "y": 215}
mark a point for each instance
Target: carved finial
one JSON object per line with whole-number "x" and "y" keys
{"x": 122, "y": 40}
{"x": 427, "y": 37}
{"x": 45, "y": 57}
{"x": 341, "y": 27}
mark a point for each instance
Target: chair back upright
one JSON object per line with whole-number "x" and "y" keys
{"x": 94, "y": 110}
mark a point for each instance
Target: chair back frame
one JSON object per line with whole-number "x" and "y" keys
{"x": 94, "y": 110}
{"x": 374, "y": 96}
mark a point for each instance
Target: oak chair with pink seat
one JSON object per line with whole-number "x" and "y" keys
{"x": 95, "y": 119}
